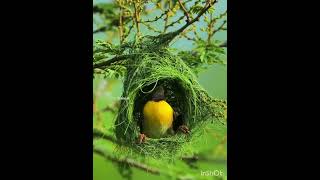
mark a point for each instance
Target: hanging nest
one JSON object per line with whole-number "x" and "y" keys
{"x": 145, "y": 72}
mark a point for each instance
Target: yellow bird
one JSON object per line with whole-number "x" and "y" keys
{"x": 158, "y": 117}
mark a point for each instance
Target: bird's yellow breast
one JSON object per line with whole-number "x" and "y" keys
{"x": 158, "y": 117}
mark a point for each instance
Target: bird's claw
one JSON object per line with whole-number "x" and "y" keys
{"x": 184, "y": 129}
{"x": 141, "y": 138}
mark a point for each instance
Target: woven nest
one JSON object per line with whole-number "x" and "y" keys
{"x": 183, "y": 93}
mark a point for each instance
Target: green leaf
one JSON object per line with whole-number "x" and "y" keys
{"x": 206, "y": 19}
{"x": 196, "y": 9}
{"x": 202, "y": 56}
{"x": 211, "y": 10}
{"x": 219, "y": 50}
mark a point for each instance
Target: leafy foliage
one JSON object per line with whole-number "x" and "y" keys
{"x": 103, "y": 51}
{"x": 203, "y": 55}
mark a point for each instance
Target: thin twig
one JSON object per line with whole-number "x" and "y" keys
{"x": 129, "y": 31}
{"x": 156, "y": 18}
{"x": 137, "y": 20}
{"x": 174, "y": 22}
{"x": 210, "y": 27}
{"x": 184, "y": 11}
{"x": 166, "y": 20}
{"x": 221, "y": 16}
{"x": 187, "y": 37}
{"x": 220, "y": 27}
{"x": 151, "y": 28}
{"x": 196, "y": 34}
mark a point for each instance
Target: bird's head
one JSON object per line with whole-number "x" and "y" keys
{"x": 158, "y": 94}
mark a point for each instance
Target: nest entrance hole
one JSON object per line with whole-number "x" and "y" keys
{"x": 175, "y": 95}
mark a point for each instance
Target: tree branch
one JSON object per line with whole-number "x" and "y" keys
{"x": 184, "y": 11}
{"x": 205, "y": 9}
{"x": 99, "y": 134}
{"x": 112, "y": 60}
{"x": 128, "y": 161}
{"x": 201, "y": 158}
{"x": 142, "y": 166}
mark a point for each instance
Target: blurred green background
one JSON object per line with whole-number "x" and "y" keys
{"x": 214, "y": 80}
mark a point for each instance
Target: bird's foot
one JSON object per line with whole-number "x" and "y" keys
{"x": 141, "y": 138}
{"x": 184, "y": 129}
